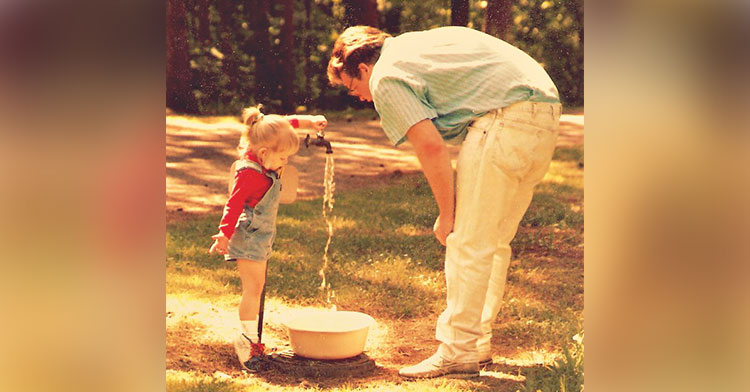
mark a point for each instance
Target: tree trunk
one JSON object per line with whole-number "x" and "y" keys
{"x": 204, "y": 23}
{"x": 308, "y": 44}
{"x": 392, "y": 20}
{"x": 179, "y": 92}
{"x": 229, "y": 64}
{"x": 459, "y": 12}
{"x": 361, "y": 12}
{"x": 204, "y": 81}
{"x": 287, "y": 58}
{"x": 260, "y": 47}
{"x": 497, "y": 18}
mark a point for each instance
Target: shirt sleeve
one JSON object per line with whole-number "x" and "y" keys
{"x": 400, "y": 105}
{"x": 249, "y": 185}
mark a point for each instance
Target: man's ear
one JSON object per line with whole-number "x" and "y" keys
{"x": 364, "y": 69}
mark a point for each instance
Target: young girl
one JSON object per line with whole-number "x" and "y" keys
{"x": 248, "y": 227}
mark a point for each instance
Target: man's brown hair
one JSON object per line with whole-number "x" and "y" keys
{"x": 357, "y": 44}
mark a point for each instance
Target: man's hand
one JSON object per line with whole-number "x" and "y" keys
{"x": 220, "y": 245}
{"x": 443, "y": 226}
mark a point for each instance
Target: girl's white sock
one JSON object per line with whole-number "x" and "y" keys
{"x": 250, "y": 328}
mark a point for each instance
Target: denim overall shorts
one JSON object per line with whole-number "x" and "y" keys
{"x": 256, "y": 227}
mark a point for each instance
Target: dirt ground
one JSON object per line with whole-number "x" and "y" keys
{"x": 198, "y": 156}
{"x": 198, "y": 341}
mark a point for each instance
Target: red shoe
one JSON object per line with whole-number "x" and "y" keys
{"x": 250, "y": 354}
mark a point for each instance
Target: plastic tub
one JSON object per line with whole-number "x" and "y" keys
{"x": 329, "y": 335}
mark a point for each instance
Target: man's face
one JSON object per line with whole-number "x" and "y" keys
{"x": 359, "y": 87}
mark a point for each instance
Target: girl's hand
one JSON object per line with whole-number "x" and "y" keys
{"x": 319, "y": 122}
{"x": 220, "y": 245}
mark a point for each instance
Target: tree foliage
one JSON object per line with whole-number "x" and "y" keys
{"x": 552, "y": 33}
{"x": 238, "y": 53}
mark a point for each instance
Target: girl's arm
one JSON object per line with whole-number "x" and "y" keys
{"x": 232, "y": 173}
{"x": 247, "y": 184}
{"x": 221, "y": 241}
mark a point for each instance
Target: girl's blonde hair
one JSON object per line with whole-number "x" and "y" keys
{"x": 270, "y": 131}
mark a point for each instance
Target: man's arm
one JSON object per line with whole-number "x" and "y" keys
{"x": 436, "y": 166}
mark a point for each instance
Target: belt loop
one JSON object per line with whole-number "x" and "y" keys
{"x": 489, "y": 126}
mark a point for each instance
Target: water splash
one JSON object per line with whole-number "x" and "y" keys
{"x": 329, "y": 187}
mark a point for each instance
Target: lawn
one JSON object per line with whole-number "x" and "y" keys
{"x": 384, "y": 261}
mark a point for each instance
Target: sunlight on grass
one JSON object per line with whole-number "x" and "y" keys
{"x": 412, "y": 230}
{"x": 180, "y": 381}
{"x": 437, "y": 385}
{"x": 218, "y": 320}
{"x": 191, "y": 279}
{"x": 337, "y": 222}
{"x": 564, "y": 172}
{"x": 531, "y": 358}
{"x": 398, "y": 287}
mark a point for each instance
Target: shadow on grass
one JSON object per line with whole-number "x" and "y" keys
{"x": 186, "y": 352}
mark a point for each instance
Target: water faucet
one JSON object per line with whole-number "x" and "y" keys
{"x": 319, "y": 141}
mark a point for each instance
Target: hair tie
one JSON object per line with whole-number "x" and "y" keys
{"x": 260, "y": 117}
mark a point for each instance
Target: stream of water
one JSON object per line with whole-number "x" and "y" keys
{"x": 328, "y": 190}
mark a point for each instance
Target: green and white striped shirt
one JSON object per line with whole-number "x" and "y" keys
{"x": 451, "y": 75}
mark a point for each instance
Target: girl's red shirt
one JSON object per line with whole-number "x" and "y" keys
{"x": 249, "y": 188}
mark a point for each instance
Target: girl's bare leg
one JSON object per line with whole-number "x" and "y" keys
{"x": 253, "y": 276}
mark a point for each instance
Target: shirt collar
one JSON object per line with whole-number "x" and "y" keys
{"x": 252, "y": 157}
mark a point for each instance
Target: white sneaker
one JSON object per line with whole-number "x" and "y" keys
{"x": 242, "y": 347}
{"x": 249, "y": 354}
{"x": 436, "y": 366}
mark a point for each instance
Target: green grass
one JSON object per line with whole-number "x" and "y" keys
{"x": 385, "y": 261}
{"x": 202, "y": 385}
{"x": 565, "y": 375}
{"x": 569, "y": 154}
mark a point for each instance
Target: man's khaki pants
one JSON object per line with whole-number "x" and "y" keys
{"x": 505, "y": 154}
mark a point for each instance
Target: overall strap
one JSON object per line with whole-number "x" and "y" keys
{"x": 247, "y": 164}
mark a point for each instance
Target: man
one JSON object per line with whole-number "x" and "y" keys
{"x": 458, "y": 85}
